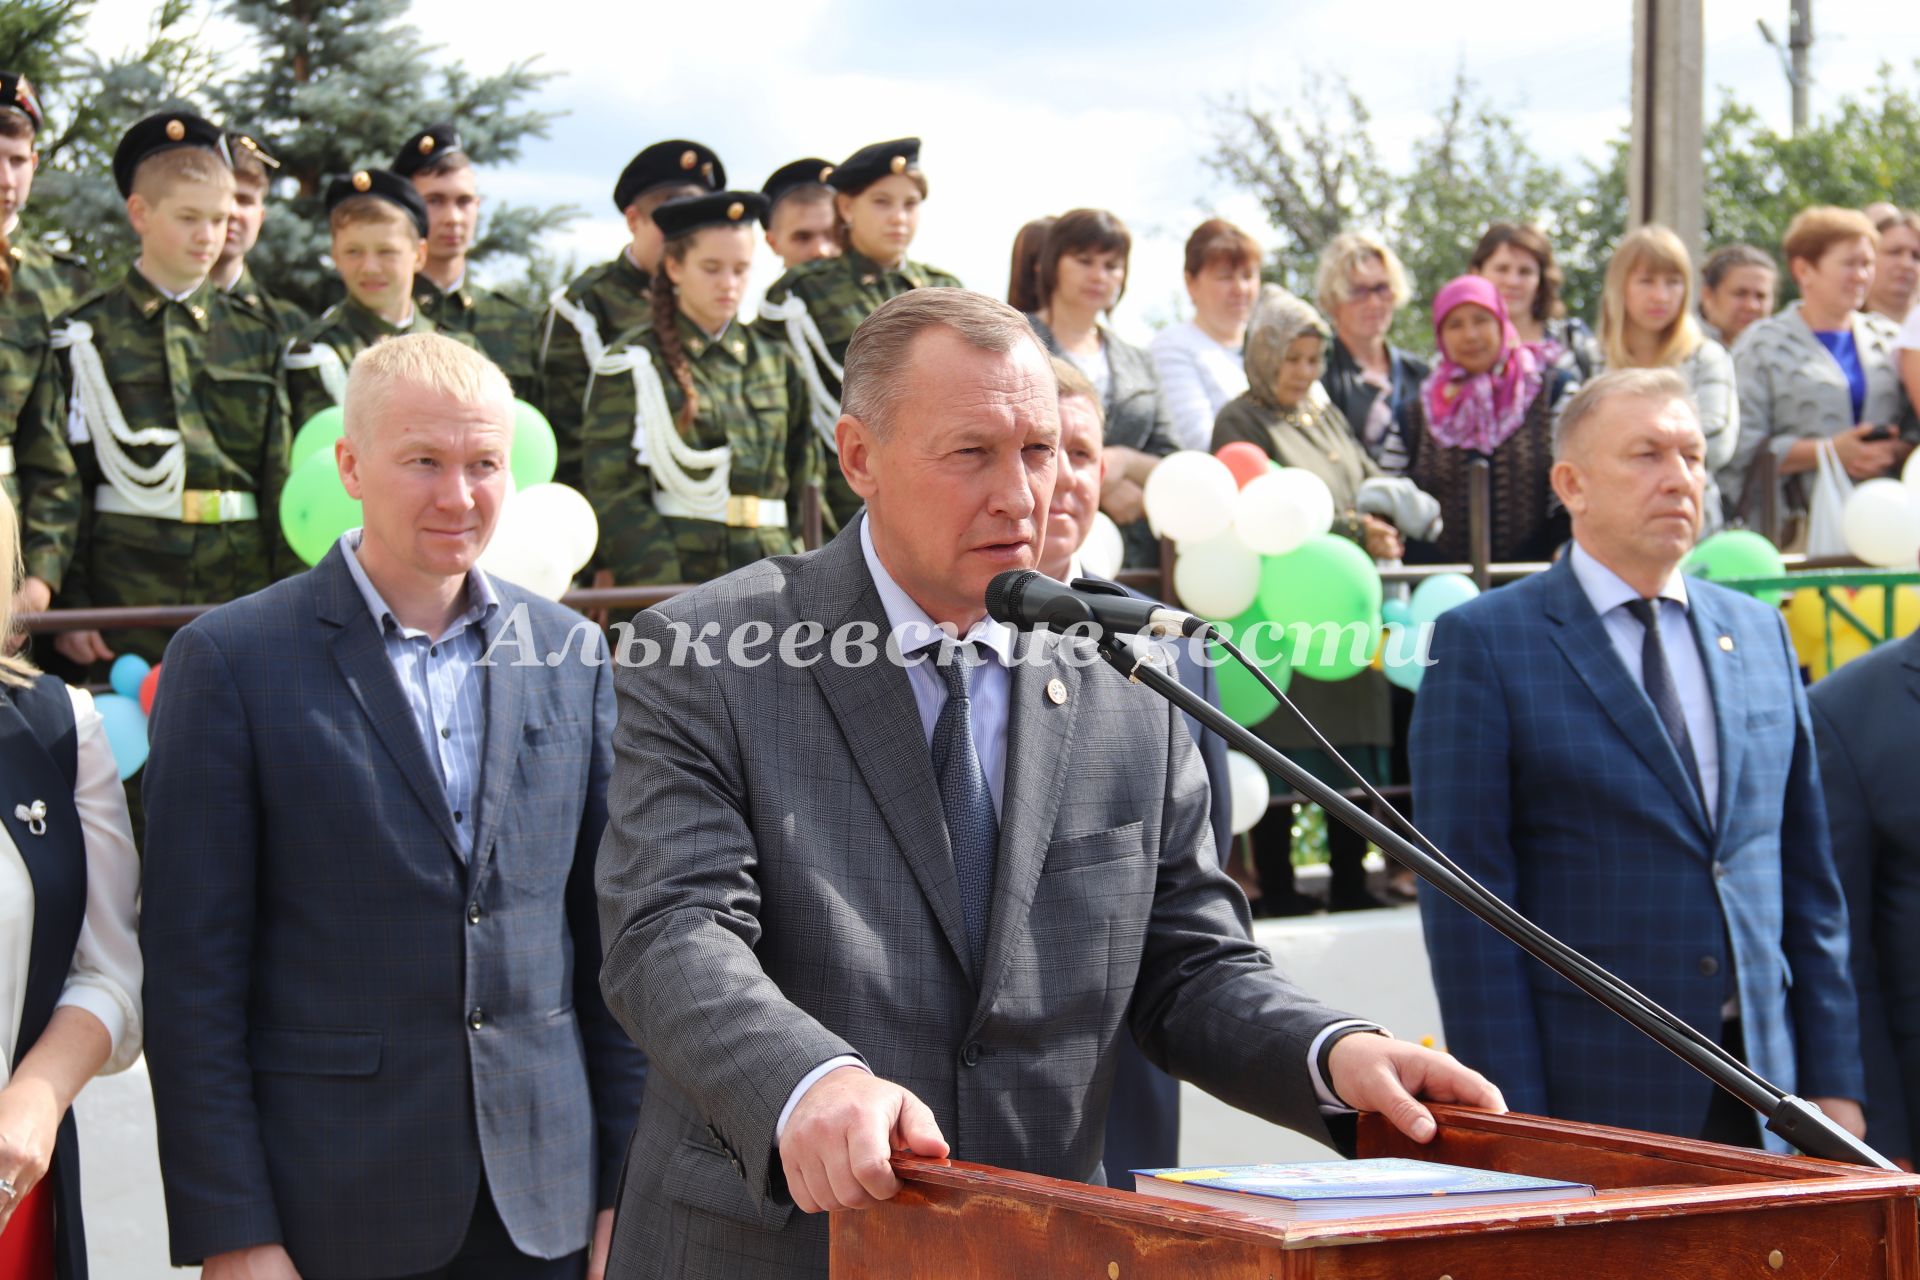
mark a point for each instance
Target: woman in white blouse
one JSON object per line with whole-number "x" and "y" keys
{"x": 69, "y": 959}
{"x": 1199, "y": 360}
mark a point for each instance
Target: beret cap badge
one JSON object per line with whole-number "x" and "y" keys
{"x": 689, "y": 158}
{"x": 362, "y": 181}
{"x": 736, "y": 211}
{"x": 176, "y": 131}
{"x": 426, "y": 145}
{"x": 899, "y": 164}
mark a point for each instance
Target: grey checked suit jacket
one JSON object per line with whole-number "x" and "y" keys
{"x": 777, "y": 888}
{"x": 317, "y": 944}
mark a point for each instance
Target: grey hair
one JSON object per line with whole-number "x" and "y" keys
{"x": 428, "y": 361}
{"x": 1278, "y": 319}
{"x": 876, "y": 365}
{"x": 1662, "y": 384}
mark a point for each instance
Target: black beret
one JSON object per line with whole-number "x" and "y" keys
{"x": 721, "y": 209}
{"x": 811, "y": 172}
{"x": 381, "y": 184}
{"x": 423, "y": 148}
{"x": 16, "y": 91}
{"x": 870, "y": 164}
{"x": 676, "y": 161}
{"x": 167, "y": 131}
{"x": 238, "y": 142}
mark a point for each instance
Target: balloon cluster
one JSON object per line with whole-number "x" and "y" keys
{"x": 1807, "y": 623}
{"x": 124, "y": 712}
{"x": 546, "y": 532}
{"x": 1881, "y": 521}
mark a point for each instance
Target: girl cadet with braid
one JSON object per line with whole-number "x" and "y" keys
{"x": 878, "y": 191}
{"x": 695, "y": 439}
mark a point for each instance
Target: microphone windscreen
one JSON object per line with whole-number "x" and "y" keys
{"x": 1004, "y": 592}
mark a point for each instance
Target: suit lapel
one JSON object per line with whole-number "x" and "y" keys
{"x": 506, "y": 704}
{"x": 880, "y": 721}
{"x": 361, "y": 655}
{"x": 1039, "y": 755}
{"x": 1582, "y": 638}
{"x": 1726, "y": 682}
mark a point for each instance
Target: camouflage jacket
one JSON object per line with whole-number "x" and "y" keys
{"x": 205, "y": 366}
{"x": 614, "y": 296}
{"x": 287, "y": 318}
{"x": 501, "y": 325}
{"x": 750, "y": 398}
{"x": 39, "y": 476}
{"x": 349, "y": 329}
{"x": 58, "y": 281}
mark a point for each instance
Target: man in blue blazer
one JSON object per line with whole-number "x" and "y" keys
{"x": 1863, "y": 721}
{"x": 378, "y": 1046}
{"x": 1624, "y": 754}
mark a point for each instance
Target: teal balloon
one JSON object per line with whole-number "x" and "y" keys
{"x": 1435, "y": 595}
{"x": 1242, "y": 696}
{"x": 535, "y": 454}
{"x": 1738, "y": 553}
{"x": 1326, "y": 592}
{"x": 1394, "y": 610}
{"x": 317, "y": 435}
{"x": 126, "y": 726}
{"x": 315, "y": 509}
{"x": 126, "y": 673}
{"x": 1400, "y": 653}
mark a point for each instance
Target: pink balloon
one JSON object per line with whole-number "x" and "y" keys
{"x": 1247, "y": 461}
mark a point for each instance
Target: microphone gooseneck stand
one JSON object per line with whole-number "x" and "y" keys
{"x": 1794, "y": 1119}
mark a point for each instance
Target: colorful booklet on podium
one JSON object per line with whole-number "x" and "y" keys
{"x": 1332, "y": 1189}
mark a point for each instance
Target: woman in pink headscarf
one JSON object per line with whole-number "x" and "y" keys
{"x": 1490, "y": 396}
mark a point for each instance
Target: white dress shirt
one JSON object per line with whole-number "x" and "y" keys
{"x": 105, "y": 976}
{"x": 1609, "y": 596}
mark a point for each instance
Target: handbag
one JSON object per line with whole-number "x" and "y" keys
{"x": 1826, "y": 508}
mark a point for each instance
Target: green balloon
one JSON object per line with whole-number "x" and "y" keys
{"x": 1738, "y": 553}
{"x": 314, "y": 507}
{"x": 535, "y": 454}
{"x": 318, "y": 435}
{"x": 1241, "y": 696}
{"x": 1326, "y": 592}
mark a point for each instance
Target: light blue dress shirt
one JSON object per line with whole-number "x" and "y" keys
{"x": 1609, "y": 596}
{"x": 444, "y": 686}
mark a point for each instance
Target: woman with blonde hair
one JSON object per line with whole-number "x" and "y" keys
{"x": 1361, "y": 284}
{"x": 1647, "y": 322}
{"x": 69, "y": 963}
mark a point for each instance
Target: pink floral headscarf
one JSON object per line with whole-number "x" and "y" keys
{"x": 1479, "y": 411}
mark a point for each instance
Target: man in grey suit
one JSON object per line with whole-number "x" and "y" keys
{"x": 377, "y": 1044}
{"x": 858, "y": 898}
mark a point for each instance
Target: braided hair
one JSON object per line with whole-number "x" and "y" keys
{"x": 665, "y": 302}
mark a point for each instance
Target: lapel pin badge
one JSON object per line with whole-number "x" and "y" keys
{"x": 34, "y": 815}
{"x": 1726, "y": 644}
{"x": 1057, "y": 691}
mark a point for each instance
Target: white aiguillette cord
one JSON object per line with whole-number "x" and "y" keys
{"x": 803, "y": 335}
{"x": 154, "y": 490}
{"x": 658, "y": 446}
{"x": 324, "y": 360}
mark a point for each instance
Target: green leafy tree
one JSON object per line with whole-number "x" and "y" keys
{"x": 337, "y": 85}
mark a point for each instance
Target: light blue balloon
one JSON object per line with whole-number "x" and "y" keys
{"x": 128, "y": 671}
{"x": 126, "y": 726}
{"x": 1394, "y": 610}
{"x": 1436, "y": 595}
{"x": 1400, "y": 653}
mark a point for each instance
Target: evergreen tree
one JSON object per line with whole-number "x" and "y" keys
{"x": 337, "y": 85}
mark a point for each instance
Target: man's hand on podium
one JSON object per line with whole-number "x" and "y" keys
{"x": 838, "y": 1143}
{"x": 1374, "y": 1073}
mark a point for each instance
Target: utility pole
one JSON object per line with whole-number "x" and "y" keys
{"x": 1794, "y": 57}
{"x": 1665, "y": 169}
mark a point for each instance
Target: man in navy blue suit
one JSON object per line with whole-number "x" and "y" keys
{"x": 376, "y": 1035}
{"x": 1624, "y": 754}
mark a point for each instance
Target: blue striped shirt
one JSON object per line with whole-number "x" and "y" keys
{"x": 443, "y": 684}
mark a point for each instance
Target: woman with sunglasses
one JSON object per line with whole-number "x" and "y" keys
{"x": 1377, "y": 386}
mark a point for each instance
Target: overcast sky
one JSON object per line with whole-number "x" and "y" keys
{"x": 1035, "y": 107}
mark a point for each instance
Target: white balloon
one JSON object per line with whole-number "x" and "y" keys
{"x": 1278, "y": 511}
{"x": 521, "y": 553}
{"x": 1882, "y": 524}
{"x": 1104, "y": 550}
{"x": 1189, "y": 496}
{"x": 1248, "y": 791}
{"x": 561, "y": 517}
{"x": 1217, "y": 579}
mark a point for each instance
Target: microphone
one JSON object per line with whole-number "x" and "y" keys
{"x": 1026, "y": 598}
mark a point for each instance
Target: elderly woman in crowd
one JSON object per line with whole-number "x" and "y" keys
{"x": 1896, "y": 266}
{"x": 1519, "y": 261}
{"x": 1822, "y": 371}
{"x": 1081, "y": 277}
{"x": 1491, "y": 395}
{"x": 1646, "y": 322}
{"x": 1737, "y": 287}
{"x": 1199, "y": 360}
{"x": 1361, "y": 284}
{"x": 1286, "y": 413}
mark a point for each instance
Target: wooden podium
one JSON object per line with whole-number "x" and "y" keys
{"x": 1666, "y": 1208}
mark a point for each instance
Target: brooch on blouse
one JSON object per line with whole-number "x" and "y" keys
{"x": 34, "y": 815}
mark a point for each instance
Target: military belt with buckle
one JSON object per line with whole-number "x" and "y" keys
{"x": 197, "y": 506}
{"x": 741, "y": 510}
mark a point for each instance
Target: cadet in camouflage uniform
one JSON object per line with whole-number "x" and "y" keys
{"x": 877, "y": 195}
{"x": 611, "y": 299}
{"x": 178, "y": 424}
{"x": 230, "y": 271}
{"x": 36, "y": 468}
{"x": 379, "y": 225}
{"x": 696, "y": 435}
{"x": 436, "y": 162}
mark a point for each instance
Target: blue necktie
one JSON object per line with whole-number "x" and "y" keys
{"x": 1658, "y": 681}
{"x": 973, "y": 828}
